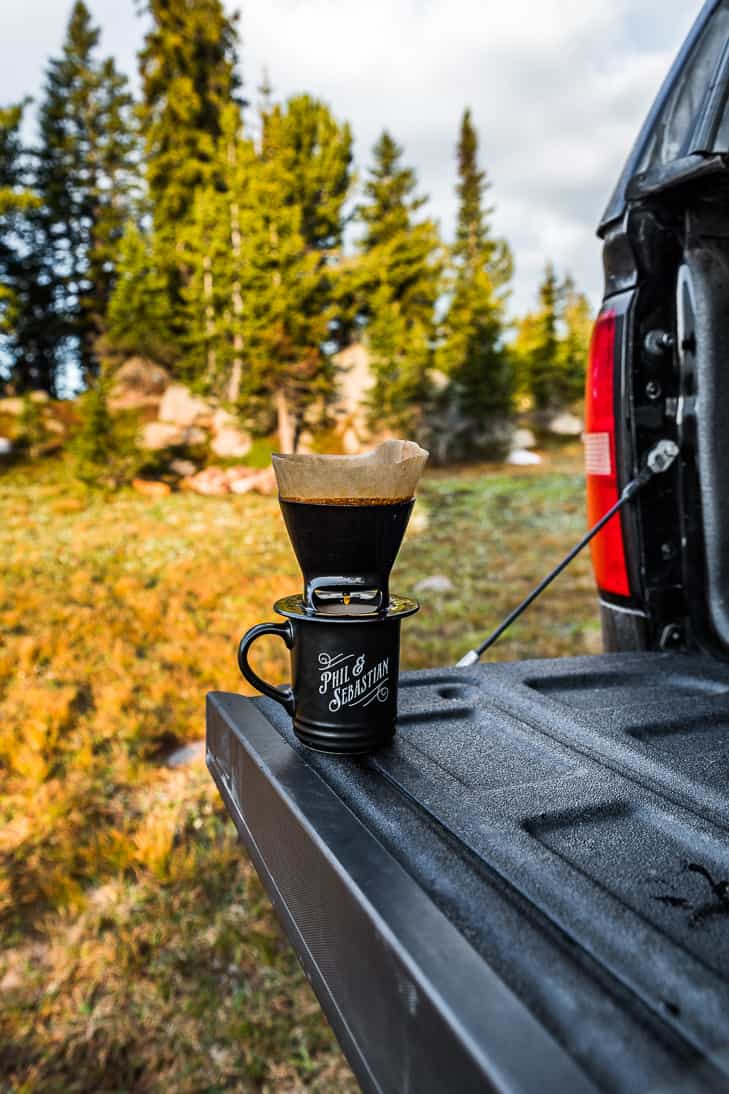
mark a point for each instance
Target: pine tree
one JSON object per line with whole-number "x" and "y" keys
{"x": 551, "y": 345}
{"x": 206, "y": 294}
{"x": 577, "y": 320}
{"x": 313, "y": 151}
{"x": 188, "y": 68}
{"x": 84, "y": 174}
{"x": 117, "y": 183}
{"x": 316, "y": 153}
{"x": 213, "y": 250}
{"x": 472, "y": 351}
{"x": 544, "y": 364}
{"x": 30, "y": 335}
{"x": 104, "y": 447}
{"x": 16, "y": 202}
{"x": 398, "y": 284}
{"x": 139, "y": 315}
{"x": 261, "y": 251}
{"x": 287, "y": 312}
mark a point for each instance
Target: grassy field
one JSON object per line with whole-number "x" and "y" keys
{"x": 139, "y": 951}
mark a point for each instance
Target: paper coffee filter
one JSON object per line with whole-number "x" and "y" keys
{"x": 389, "y": 472}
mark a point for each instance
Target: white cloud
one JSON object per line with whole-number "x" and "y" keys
{"x": 559, "y": 89}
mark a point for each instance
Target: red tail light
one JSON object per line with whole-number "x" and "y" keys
{"x": 608, "y": 552}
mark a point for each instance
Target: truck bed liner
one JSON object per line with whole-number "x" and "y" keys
{"x": 525, "y": 891}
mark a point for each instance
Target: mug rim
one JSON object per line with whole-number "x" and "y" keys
{"x": 294, "y": 607}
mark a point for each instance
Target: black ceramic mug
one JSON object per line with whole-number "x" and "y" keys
{"x": 344, "y": 673}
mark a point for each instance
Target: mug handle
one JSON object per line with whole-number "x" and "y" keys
{"x": 284, "y": 695}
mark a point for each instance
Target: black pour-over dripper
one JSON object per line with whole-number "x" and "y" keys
{"x": 346, "y": 551}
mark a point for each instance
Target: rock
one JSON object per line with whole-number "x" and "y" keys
{"x": 185, "y": 754}
{"x": 6, "y": 446}
{"x": 524, "y": 438}
{"x": 258, "y": 482}
{"x": 437, "y": 583}
{"x": 158, "y": 435}
{"x": 183, "y": 468}
{"x": 266, "y": 482}
{"x": 12, "y": 406}
{"x": 150, "y": 488}
{"x": 566, "y": 425}
{"x": 180, "y": 407}
{"x": 138, "y": 383}
{"x": 211, "y": 482}
{"x": 243, "y": 486}
{"x": 222, "y": 419}
{"x": 231, "y": 443}
{"x": 240, "y": 474}
{"x": 519, "y": 457}
{"x": 195, "y": 435}
{"x": 216, "y": 481}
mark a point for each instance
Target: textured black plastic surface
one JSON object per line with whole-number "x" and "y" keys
{"x": 564, "y": 826}
{"x": 707, "y": 283}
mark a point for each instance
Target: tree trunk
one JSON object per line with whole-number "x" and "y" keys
{"x": 286, "y": 425}
{"x": 209, "y": 317}
{"x": 235, "y": 242}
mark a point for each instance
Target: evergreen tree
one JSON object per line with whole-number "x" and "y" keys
{"x": 220, "y": 241}
{"x": 521, "y": 351}
{"x": 472, "y": 352}
{"x": 551, "y": 345}
{"x": 188, "y": 68}
{"x": 261, "y": 252}
{"x": 287, "y": 305}
{"x": 104, "y": 447}
{"x": 577, "y": 320}
{"x": 117, "y": 182}
{"x": 16, "y": 202}
{"x": 398, "y": 284}
{"x": 544, "y": 362}
{"x": 313, "y": 151}
{"x": 29, "y": 328}
{"x": 206, "y": 294}
{"x": 139, "y": 315}
{"x": 316, "y": 153}
{"x": 84, "y": 175}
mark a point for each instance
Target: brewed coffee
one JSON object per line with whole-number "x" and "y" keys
{"x": 346, "y": 518}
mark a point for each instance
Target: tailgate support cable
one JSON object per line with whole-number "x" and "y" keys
{"x": 659, "y": 459}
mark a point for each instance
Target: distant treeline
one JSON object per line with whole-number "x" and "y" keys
{"x": 208, "y": 234}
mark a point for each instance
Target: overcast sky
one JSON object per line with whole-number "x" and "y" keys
{"x": 558, "y": 89}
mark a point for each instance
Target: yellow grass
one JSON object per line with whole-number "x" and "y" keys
{"x": 139, "y": 950}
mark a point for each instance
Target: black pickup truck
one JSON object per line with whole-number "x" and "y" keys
{"x": 529, "y": 889}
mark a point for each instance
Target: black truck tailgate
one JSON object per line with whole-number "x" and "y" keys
{"x": 527, "y": 891}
